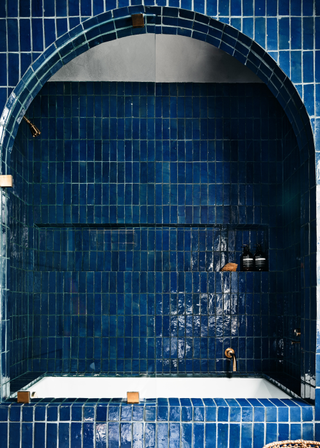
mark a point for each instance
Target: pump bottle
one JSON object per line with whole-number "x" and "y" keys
{"x": 246, "y": 260}
{"x": 260, "y": 260}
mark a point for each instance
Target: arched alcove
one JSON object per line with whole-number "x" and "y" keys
{"x": 296, "y": 159}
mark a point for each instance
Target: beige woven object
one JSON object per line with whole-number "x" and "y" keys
{"x": 293, "y": 444}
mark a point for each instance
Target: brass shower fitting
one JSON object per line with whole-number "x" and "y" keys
{"x": 34, "y": 130}
{"x": 297, "y": 333}
{"x": 230, "y": 353}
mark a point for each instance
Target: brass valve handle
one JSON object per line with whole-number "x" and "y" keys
{"x": 229, "y": 353}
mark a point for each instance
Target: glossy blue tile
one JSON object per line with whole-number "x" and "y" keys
{"x": 15, "y": 413}
{"x": 113, "y": 434}
{"x": 126, "y": 436}
{"x": 14, "y": 434}
{"x": 283, "y": 414}
{"x": 198, "y": 414}
{"x": 295, "y": 431}
{"x": 307, "y": 66}
{"x": 222, "y": 434}
{"x": 174, "y": 434}
{"x": 51, "y": 435}
{"x": 39, "y": 434}
{"x": 76, "y": 413}
{"x": 52, "y": 413}
{"x": 186, "y": 413}
{"x": 307, "y": 431}
{"x": 295, "y": 414}
{"x": 150, "y": 413}
{"x": 150, "y": 434}
{"x": 235, "y": 435}
{"x": 247, "y": 434}
{"x": 162, "y": 434}
{"x": 64, "y": 436}
{"x": 247, "y": 414}
{"x": 175, "y": 412}
{"x": 37, "y": 35}
{"x": 198, "y": 435}
{"x": 307, "y": 33}
{"x": 4, "y": 432}
{"x": 223, "y": 414}
{"x": 307, "y": 413}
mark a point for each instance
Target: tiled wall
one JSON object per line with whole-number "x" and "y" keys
{"x": 144, "y": 293}
{"x": 298, "y": 304}
{"x": 21, "y": 258}
{"x": 288, "y": 32}
{"x": 4, "y": 294}
{"x": 165, "y": 154}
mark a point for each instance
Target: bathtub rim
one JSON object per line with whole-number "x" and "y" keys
{"x": 27, "y": 386}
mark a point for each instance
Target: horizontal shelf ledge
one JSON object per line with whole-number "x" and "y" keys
{"x": 121, "y": 226}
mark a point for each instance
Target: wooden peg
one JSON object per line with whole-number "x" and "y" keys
{"x": 23, "y": 396}
{"x": 137, "y": 21}
{"x": 6, "y": 180}
{"x": 132, "y": 397}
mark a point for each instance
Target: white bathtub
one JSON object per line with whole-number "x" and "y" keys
{"x": 110, "y": 387}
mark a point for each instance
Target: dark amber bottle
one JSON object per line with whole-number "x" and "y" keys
{"x": 246, "y": 260}
{"x": 260, "y": 259}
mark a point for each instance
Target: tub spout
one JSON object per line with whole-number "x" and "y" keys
{"x": 230, "y": 353}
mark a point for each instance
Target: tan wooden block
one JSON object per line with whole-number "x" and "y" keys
{"x": 23, "y": 396}
{"x": 137, "y": 21}
{"x": 132, "y": 397}
{"x": 6, "y": 180}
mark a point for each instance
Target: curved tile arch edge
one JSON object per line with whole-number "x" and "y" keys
{"x": 159, "y": 20}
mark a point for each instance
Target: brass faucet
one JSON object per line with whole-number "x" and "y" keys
{"x": 230, "y": 353}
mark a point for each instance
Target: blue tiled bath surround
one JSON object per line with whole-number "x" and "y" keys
{"x": 170, "y": 422}
{"x": 131, "y": 231}
{"x": 170, "y": 180}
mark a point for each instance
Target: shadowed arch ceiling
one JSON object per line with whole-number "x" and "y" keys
{"x": 156, "y": 58}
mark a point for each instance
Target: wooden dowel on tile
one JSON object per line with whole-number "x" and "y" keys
{"x": 23, "y": 396}
{"x": 133, "y": 397}
{"x": 137, "y": 21}
{"x": 6, "y": 180}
